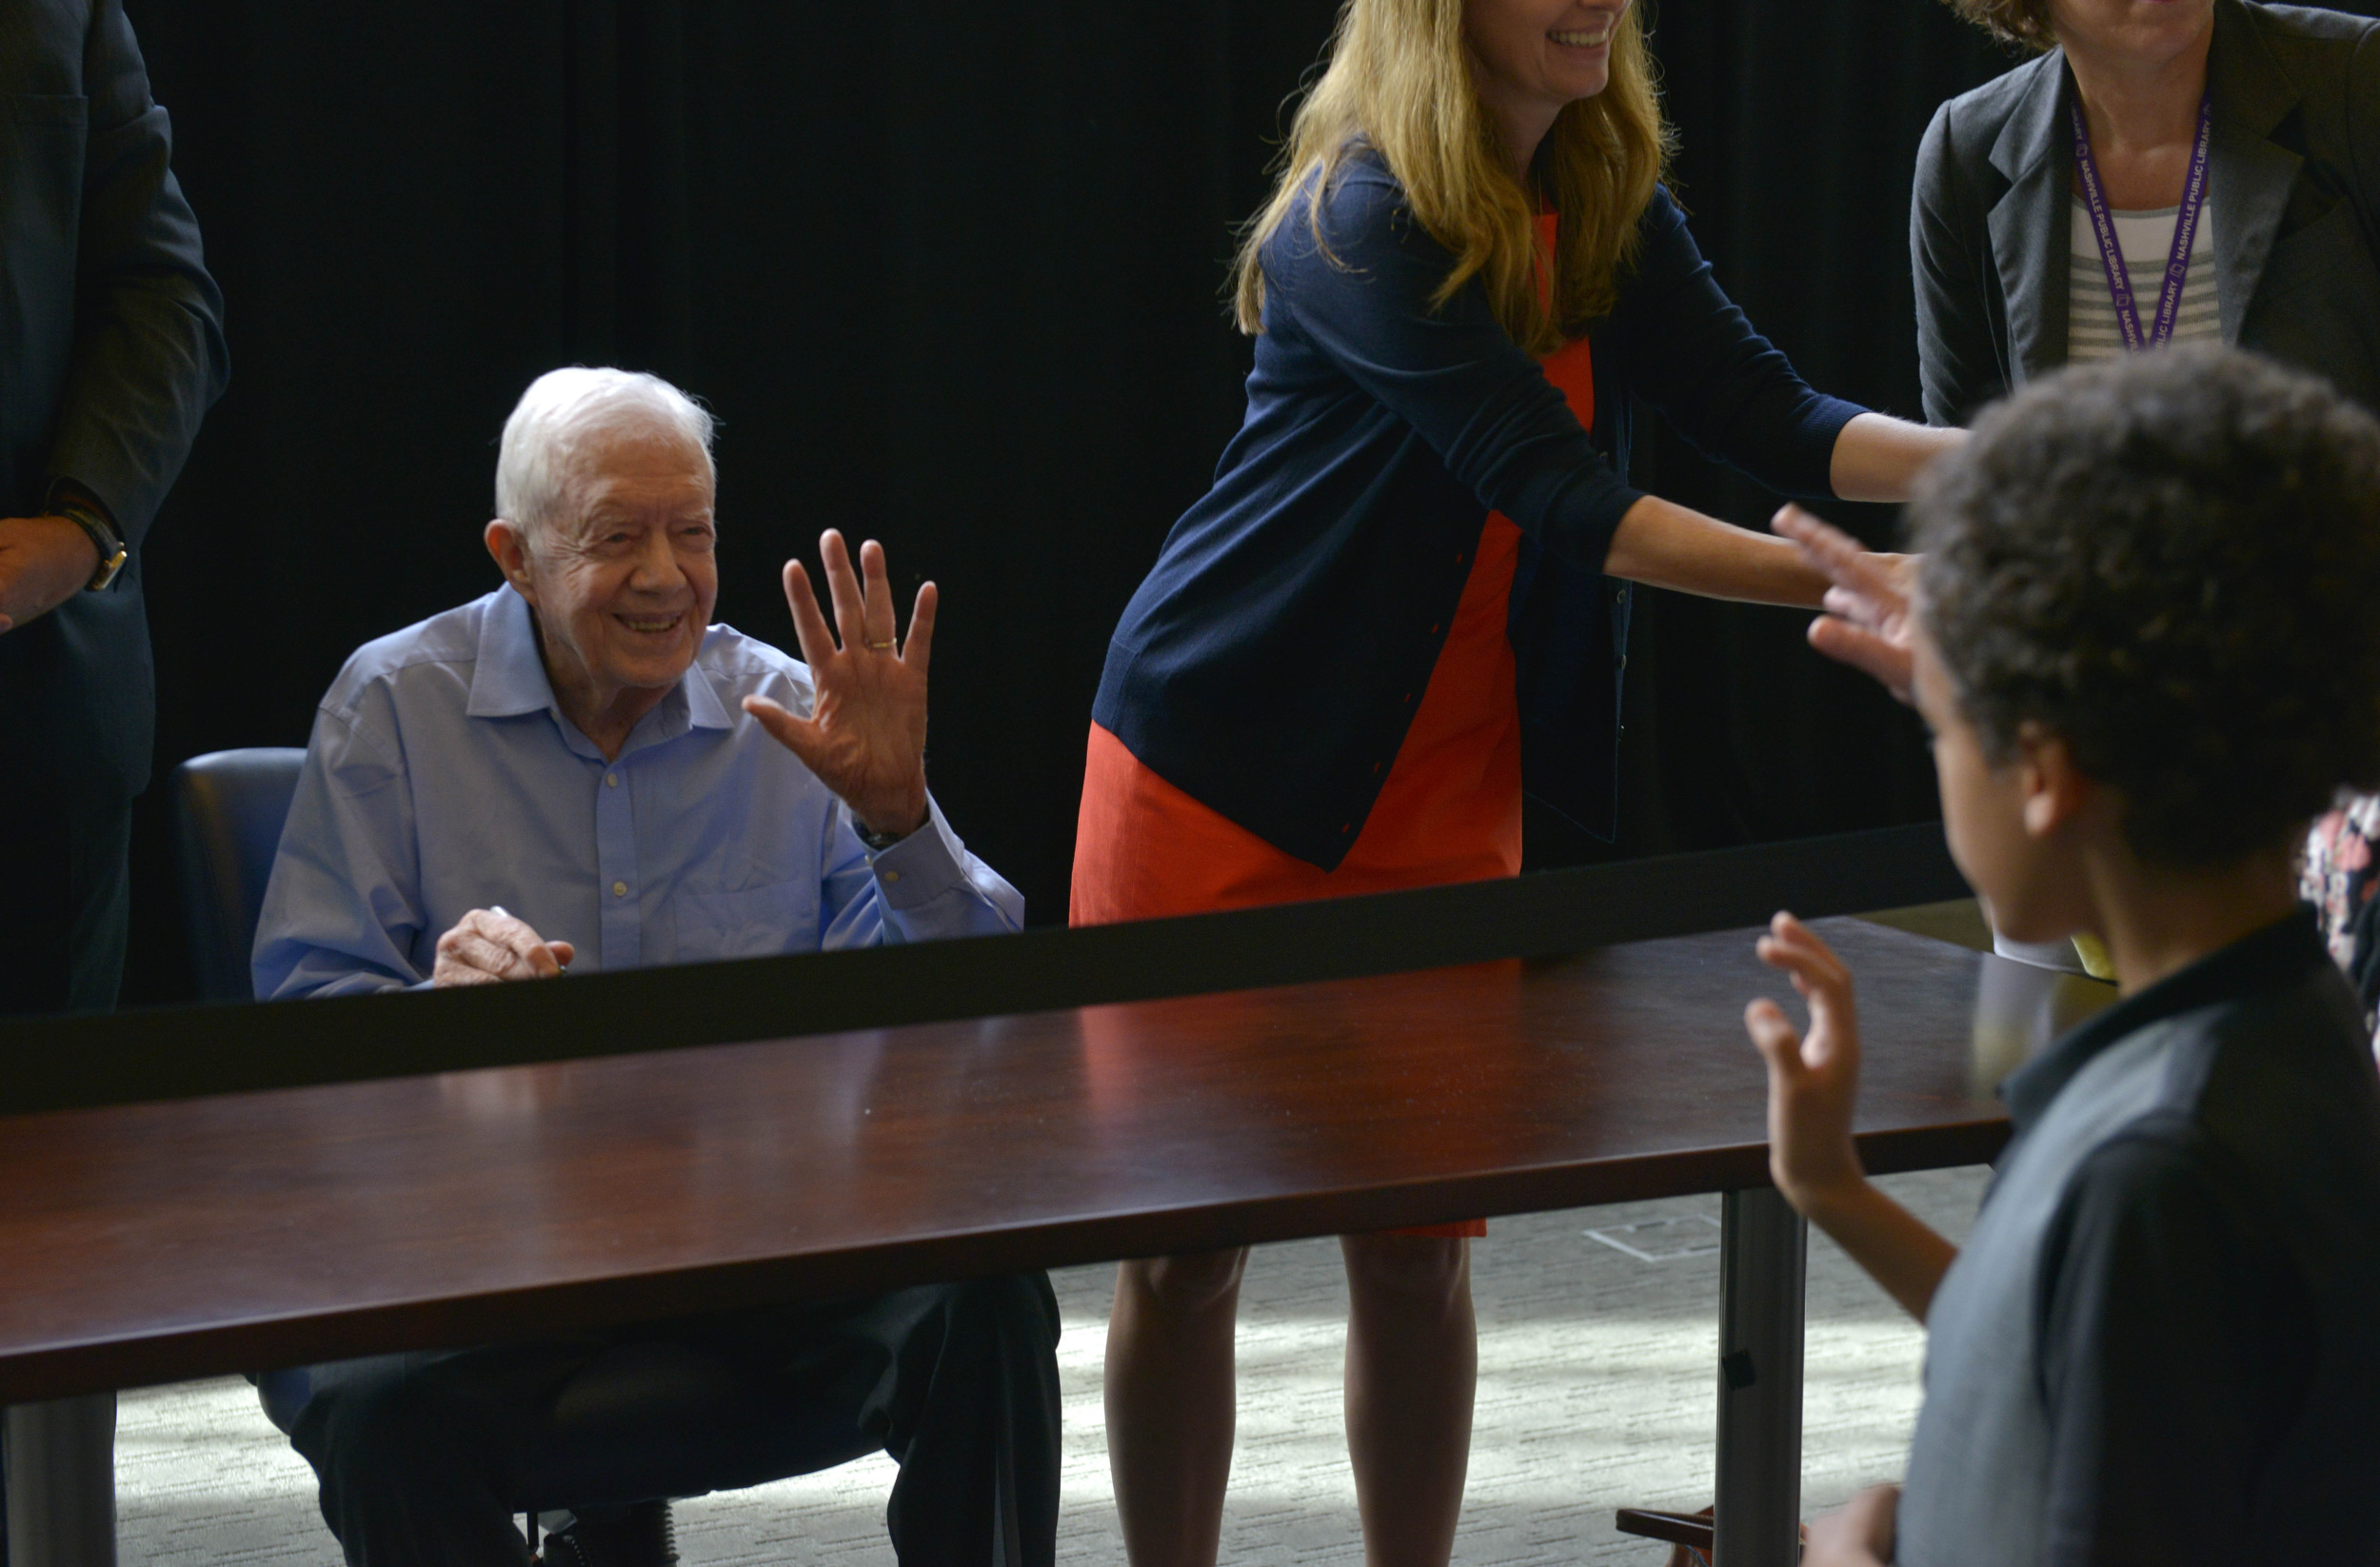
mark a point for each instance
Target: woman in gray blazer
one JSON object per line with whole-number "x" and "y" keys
{"x": 2012, "y": 277}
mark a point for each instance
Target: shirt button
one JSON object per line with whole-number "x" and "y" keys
{"x": 892, "y": 876}
{"x": 611, "y": 780}
{"x": 620, "y": 889}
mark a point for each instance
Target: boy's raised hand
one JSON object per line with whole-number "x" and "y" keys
{"x": 1813, "y": 1080}
{"x": 1812, "y": 1077}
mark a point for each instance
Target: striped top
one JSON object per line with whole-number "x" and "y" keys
{"x": 2091, "y": 333}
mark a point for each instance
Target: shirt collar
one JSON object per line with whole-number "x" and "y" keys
{"x": 2266, "y": 960}
{"x": 508, "y": 677}
{"x": 703, "y": 709}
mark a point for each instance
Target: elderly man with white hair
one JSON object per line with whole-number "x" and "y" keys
{"x": 580, "y": 771}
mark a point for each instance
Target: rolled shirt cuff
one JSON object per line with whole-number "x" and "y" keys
{"x": 922, "y": 866}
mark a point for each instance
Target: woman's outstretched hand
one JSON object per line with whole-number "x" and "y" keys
{"x": 1868, "y": 621}
{"x": 865, "y": 735}
{"x": 1812, "y": 1078}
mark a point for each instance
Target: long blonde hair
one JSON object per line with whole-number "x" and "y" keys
{"x": 1399, "y": 80}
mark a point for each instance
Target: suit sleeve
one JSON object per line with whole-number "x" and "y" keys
{"x": 148, "y": 354}
{"x": 1365, "y": 298}
{"x": 1693, "y": 353}
{"x": 1958, "y": 366}
{"x": 2363, "y": 131}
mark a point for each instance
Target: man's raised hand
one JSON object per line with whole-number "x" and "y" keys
{"x": 489, "y": 946}
{"x": 1869, "y": 620}
{"x": 865, "y": 735}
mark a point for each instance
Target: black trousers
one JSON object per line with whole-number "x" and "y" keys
{"x": 64, "y": 906}
{"x": 65, "y": 900}
{"x": 421, "y": 1462}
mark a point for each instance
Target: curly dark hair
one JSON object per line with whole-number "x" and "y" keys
{"x": 2171, "y": 562}
{"x": 2025, "y": 23}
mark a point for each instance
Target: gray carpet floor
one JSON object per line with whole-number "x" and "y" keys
{"x": 1596, "y": 1391}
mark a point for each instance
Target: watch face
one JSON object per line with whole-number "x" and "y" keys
{"x": 113, "y": 552}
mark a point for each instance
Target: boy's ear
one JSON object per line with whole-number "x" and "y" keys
{"x": 2052, "y": 790}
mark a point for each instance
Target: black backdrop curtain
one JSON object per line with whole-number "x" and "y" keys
{"x": 951, "y": 280}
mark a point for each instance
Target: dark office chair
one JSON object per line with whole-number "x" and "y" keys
{"x": 228, "y": 810}
{"x": 640, "y": 1425}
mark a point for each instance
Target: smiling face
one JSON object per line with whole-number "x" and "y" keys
{"x": 624, "y": 579}
{"x": 2135, "y": 32}
{"x": 1533, "y": 56}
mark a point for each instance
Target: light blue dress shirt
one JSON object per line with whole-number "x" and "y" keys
{"x": 441, "y": 777}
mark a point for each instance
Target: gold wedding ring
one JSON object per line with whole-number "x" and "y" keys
{"x": 885, "y": 647}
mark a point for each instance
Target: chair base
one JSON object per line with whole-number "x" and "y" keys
{"x": 1688, "y": 1533}
{"x": 639, "y": 1536}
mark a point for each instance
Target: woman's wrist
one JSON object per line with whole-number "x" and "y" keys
{"x": 1664, "y": 544}
{"x": 1879, "y": 457}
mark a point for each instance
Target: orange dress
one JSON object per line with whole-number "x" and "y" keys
{"x": 1448, "y": 811}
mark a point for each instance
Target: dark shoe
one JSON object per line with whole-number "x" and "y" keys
{"x": 611, "y": 1537}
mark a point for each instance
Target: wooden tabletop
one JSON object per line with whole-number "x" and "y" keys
{"x": 155, "y": 1243}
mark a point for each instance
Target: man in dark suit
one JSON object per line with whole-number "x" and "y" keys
{"x": 110, "y": 350}
{"x": 113, "y": 350}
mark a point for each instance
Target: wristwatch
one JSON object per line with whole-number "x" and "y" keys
{"x": 877, "y": 842}
{"x": 89, "y": 515}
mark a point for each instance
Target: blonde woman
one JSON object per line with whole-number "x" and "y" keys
{"x": 1400, "y": 593}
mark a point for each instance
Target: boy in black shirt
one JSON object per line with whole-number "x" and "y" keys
{"x": 2147, "y": 639}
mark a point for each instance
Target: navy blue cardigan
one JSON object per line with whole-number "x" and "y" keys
{"x": 1272, "y": 661}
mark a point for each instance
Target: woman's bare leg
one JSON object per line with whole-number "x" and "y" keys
{"x": 1413, "y": 1366}
{"x": 1172, "y": 1402}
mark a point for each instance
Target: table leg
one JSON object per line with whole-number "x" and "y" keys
{"x": 61, "y": 1485}
{"x": 1763, "y": 1253}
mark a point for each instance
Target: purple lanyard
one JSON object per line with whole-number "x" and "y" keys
{"x": 2112, "y": 250}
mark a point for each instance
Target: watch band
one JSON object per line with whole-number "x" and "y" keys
{"x": 66, "y": 502}
{"x": 877, "y": 842}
